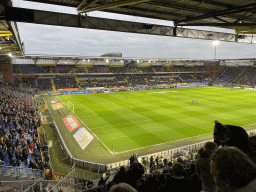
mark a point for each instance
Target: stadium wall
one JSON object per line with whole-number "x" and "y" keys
{"x": 7, "y": 70}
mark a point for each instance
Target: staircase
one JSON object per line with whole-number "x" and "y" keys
{"x": 53, "y": 86}
{"x": 77, "y": 80}
{"x": 182, "y": 79}
{"x": 193, "y": 77}
{"x": 221, "y": 74}
{"x": 154, "y": 70}
{"x": 239, "y": 75}
{"x": 86, "y": 69}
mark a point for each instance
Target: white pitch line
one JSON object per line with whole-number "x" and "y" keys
{"x": 95, "y": 135}
{"x": 163, "y": 92}
{"x": 159, "y": 144}
{"x": 88, "y": 116}
{"x": 169, "y": 142}
{"x": 127, "y": 109}
{"x": 90, "y": 110}
{"x": 92, "y": 132}
{"x": 250, "y": 125}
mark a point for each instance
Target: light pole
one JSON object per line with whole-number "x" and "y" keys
{"x": 215, "y": 43}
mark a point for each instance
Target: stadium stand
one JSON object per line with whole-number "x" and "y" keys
{"x": 62, "y": 82}
{"x": 20, "y": 151}
{"x": 44, "y": 84}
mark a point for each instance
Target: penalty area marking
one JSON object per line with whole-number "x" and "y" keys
{"x": 93, "y": 133}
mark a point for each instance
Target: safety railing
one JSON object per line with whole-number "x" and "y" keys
{"x": 21, "y": 172}
{"x": 27, "y": 185}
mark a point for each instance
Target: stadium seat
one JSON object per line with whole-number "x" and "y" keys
{"x": 14, "y": 172}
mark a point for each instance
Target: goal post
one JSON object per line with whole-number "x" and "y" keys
{"x": 71, "y": 107}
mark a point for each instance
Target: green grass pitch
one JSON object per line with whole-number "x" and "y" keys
{"x": 148, "y": 118}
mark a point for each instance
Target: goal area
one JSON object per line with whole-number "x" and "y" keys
{"x": 71, "y": 107}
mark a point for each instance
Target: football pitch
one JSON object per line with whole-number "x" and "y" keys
{"x": 128, "y": 121}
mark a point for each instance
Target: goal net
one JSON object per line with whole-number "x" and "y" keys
{"x": 71, "y": 107}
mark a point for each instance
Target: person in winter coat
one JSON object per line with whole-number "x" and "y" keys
{"x": 233, "y": 170}
{"x": 203, "y": 166}
{"x": 120, "y": 176}
{"x": 231, "y": 135}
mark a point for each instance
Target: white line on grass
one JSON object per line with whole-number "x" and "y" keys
{"x": 95, "y": 135}
{"x": 127, "y": 109}
{"x": 160, "y": 144}
{"x": 92, "y": 132}
{"x": 164, "y": 92}
{"x": 250, "y": 125}
{"x": 90, "y": 110}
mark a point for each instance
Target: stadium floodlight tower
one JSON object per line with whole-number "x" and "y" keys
{"x": 215, "y": 43}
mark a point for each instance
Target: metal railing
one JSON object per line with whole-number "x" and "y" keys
{"x": 26, "y": 185}
{"x": 21, "y": 172}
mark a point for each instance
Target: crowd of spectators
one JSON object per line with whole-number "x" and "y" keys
{"x": 19, "y": 137}
{"x": 44, "y": 84}
{"x": 65, "y": 82}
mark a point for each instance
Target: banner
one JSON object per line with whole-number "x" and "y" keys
{"x": 58, "y": 177}
{"x": 57, "y": 106}
{"x": 71, "y": 122}
{"x": 69, "y": 89}
{"x": 83, "y": 137}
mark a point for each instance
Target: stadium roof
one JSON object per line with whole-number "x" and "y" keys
{"x": 235, "y": 14}
{"x": 10, "y": 43}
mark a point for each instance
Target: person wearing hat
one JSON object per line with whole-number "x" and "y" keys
{"x": 231, "y": 135}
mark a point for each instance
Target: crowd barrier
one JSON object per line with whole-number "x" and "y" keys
{"x": 26, "y": 185}
{"x": 21, "y": 172}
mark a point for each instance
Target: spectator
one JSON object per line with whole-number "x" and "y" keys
{"x": 90, "y": 184}
{"x": 122, "y": 187}
{"x": 179, "y": 180}
{"x": 233, "y": 170}
{"x": 203, "y": 166}
{"x": 134, "y": 172}
{"x": 120, "y": 176}
{"x": 102, "y": 182}
{"x": 110, "y": 184}
{"x": 231, "y": 135}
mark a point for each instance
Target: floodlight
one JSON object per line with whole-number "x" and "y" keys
{"x": 88, "y": 60}
{"x": 138, "y": 61}
{"x": 122, "y": 61}
{"x": 149, "y": 61}
{"x": 215, "y": 43}
{"x": 9, "y": 54}
{"x": 107, "y": 60}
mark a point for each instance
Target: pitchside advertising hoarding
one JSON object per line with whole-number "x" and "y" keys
{"x": 194, "y": 84}
{"x": 82, "y": 136}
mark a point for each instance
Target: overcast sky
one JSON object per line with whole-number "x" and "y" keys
{"x": 54, "y": 40}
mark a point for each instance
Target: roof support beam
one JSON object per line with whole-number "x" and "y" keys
{"x": 220, "y": 24}
{"x": 119, "y": 3}
{"x": 78, "y": 21}
{"x": 250, "y": 7}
